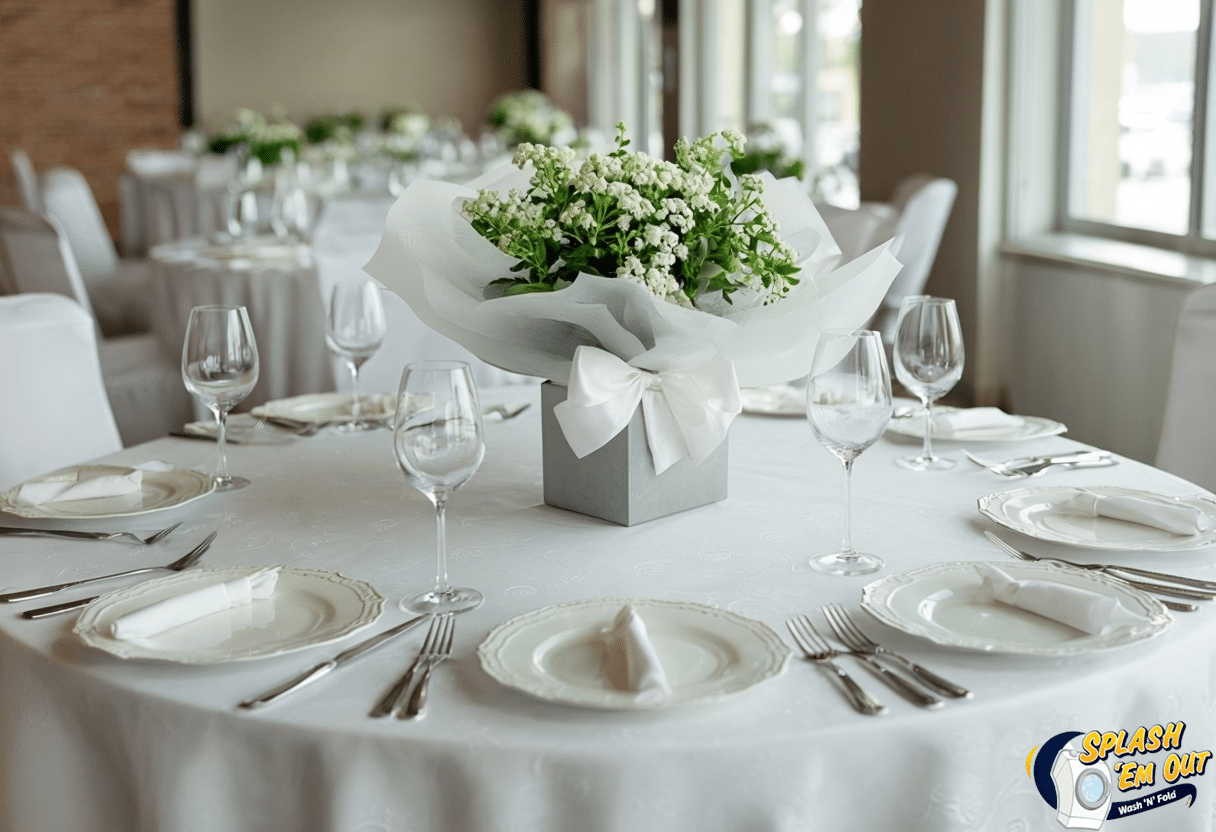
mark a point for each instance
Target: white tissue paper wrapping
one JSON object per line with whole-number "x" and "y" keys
{"x": 87, "y": 483}
{"x": 440, "y": 265}
{"x": 1090, "y": 612}
{"x": 1178, "y": 519}
{"x": 195, "y": 604}
{"x": 630, "y": 661}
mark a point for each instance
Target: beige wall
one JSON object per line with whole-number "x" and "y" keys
{"x": 448, "y": 57}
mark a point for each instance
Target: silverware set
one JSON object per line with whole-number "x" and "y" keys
{"x": 922, "y": 687}
{"x": 184, "y": 562}
{"x": 147, "y": 540}
{"x": 1171, "y": 586}
{"x": 1032, "y": 466}
{"x": 407, "y": 699}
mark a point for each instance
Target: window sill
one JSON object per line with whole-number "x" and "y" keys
{"x": 1129, "y": 259}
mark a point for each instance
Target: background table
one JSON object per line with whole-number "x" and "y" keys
{"x": 94, "y": 742}
{"x": 276, "y": 282}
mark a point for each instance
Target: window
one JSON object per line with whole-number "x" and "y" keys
{"x": 1136, "y": 123}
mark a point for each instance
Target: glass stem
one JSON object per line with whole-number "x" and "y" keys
{"x": 441, "y": 549}
{"x": 356, "y": 412}
{"x": 221, "y": 446}
{"x": 927, "y": 451}
{"x": 846, "y": 544}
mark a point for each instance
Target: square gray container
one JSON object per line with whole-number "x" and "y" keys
{"x": 617, "y": 482}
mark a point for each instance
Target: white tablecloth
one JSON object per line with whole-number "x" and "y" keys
{"x": 94, "y": 742}
{"x": 279, "y": 288}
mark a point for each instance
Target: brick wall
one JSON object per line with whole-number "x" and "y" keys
{"x": 81, "y": 83}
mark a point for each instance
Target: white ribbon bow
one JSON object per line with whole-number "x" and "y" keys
{"x": 687, "y": 412}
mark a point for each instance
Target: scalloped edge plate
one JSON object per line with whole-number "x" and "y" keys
{"x": 944, "y": 603}
{"x": 328, "y": 408}
{"x": 1031, "y": 427}
{"x": 309, "y": 607}
{"x": 159, "y": 490}
{"x": 708, "y": 653}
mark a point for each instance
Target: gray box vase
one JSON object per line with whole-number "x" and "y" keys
{"x": 617, "y": 482}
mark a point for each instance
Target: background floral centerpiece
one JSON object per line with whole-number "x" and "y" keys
{"x": 529, "y": 117}
{"x": 265, "y": 138}
{"x": 641, "y": 285}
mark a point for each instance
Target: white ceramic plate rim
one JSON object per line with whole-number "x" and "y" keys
{"x": 1002, "y": 507}
{"x": 325, "y": 408}
{"x": 1032, "y": 427}
{"x": 183, "y": 486}
{"x": 498, "y": 653}
{"x": 889, "y": 599}
{"x": 356, "y": 603}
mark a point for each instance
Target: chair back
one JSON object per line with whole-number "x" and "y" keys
{"x": 38, "y": 257}
{"x": 1187, "y": 446}
{"x": 70, "y": 201}
{"x": 58, "y": 412}
{"x": 924, "y": 203}
{"x": 27, "y": 182}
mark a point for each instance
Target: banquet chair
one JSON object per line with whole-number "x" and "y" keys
{"x": 144, "y": 386}
{"x": 27, "y": 181}
{"x": 117, "y": 287}
{"x": 922, "y": 203}
{"x": 1187, "y": 444}
{"x": 58, "y": 413}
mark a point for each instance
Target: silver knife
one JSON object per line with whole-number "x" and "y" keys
{"x": 324, "y": 668}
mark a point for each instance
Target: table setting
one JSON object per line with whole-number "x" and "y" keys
{"x": 399, "y": 617}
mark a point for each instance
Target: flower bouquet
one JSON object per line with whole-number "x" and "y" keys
{"x": 650, "y": 290}
{"x": 529, "y": 117}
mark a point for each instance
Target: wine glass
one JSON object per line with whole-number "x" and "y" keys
{"x": 354, "y": 331}
{"x": 848, "y": 403}
{"x": 220, "y": 368}
{"x": 929, "y": 362}
{"x": 438, "y": 442}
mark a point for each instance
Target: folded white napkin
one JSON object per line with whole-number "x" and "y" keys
{"x": 194, "y": 604}
{"x": 1088, "y": 611}
{"x": 630, "y": 661}
{"x": 87, "y": 484}
{"x": 974, "y": 418}
{"x": 1169, "y": 517}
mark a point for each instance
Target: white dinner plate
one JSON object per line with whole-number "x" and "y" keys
{"x": 328, "y": 408}
{"x": 308, "y": 607}
{"x": 158, "y": 490}
{"x": 774, "y": 400}
{"x": 707, "y": 653}
{"x": 1036, "y": 512}
{"x": 1026, "y": 427}
{"x": 946, "y": 603}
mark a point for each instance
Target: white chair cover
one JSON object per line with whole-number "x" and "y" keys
{"x": 118, "y": 289}
{"x": 27, "y": 182}
{"x": 1187, "y": 446}
{"x": 144, "y": 385}
{"x": 57, "y": 413}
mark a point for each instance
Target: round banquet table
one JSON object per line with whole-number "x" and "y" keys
{"x": 275, "y": 281}
{"x": 91, "y": 741}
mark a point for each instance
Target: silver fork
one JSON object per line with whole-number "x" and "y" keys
{"x": 26, "y": 594}
{"x": 852, "y": 636}
{"x": 1198, "y": 593}
{"x": 395, "y": 697}
{"x": 187, "y": 560}
{"x": 83, "y": 535}
{"x": 817, "y": 650}
{"x": 439, "y": 652}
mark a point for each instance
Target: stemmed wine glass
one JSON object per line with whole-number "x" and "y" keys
{"x": 848, "y": 403}
{"x": 929, "y": 362}
{"x": 439, "y": 444}
{"x": 220, "y": 368}
{"x": 354, "y": 331}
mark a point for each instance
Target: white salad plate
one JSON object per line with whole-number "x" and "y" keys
{"x": 158, "y": 490}
{"x": 774, "y": 400}
{"x": 1037, "y": 512}
{"x": 947, "y": 604}
{"x": 308, "y": 607}
{"x": 1025, "y": 427}
{"x": 707, "y": 653}
{"x": 328, "y": 408}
